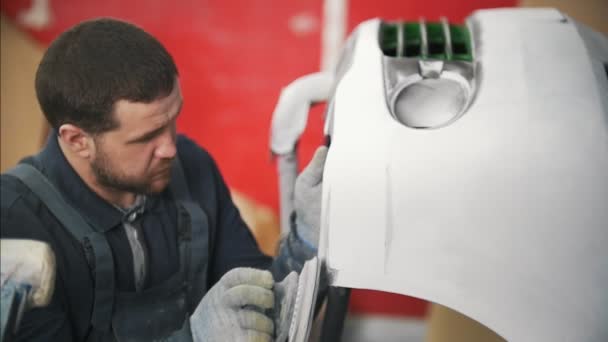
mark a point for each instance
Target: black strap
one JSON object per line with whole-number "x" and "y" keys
{"x": 103, "y": 266}
{"x": 46, "y": 192}
{"x": 199, "y": 223}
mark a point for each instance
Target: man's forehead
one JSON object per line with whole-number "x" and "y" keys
{"x": 157, "y": 111}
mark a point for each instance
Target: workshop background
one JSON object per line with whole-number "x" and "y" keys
{"x": 234, "y": 56}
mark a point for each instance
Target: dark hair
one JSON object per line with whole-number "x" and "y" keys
{"x": 96, "y": 63}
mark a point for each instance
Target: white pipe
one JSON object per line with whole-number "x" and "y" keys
{"x": 333, "y": 32}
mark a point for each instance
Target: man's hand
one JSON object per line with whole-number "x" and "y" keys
{"x": 308, "y": 198}
{"x": 233, "y": 309}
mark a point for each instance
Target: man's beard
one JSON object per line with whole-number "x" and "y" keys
{"x": 103, "y": 171}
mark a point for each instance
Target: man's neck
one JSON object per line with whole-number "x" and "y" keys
{"x": 123, "y": 199}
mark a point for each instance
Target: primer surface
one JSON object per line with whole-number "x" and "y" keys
{"x": 501, "y": 215}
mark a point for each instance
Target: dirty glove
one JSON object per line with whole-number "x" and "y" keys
{"x": 307, "y": 199}
{"x": 233, "y": 309}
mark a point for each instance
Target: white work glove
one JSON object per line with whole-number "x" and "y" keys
{"x": 233, "y": 309}
{"x": 307, "y": 198}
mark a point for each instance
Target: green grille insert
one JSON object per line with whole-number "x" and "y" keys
{"x": 412, "y": 39}
{"x": 461, "y": 43}
{"x": 433, "y": 40}
{"x": 388, "y": 39}
{"x": 436, "y": 41}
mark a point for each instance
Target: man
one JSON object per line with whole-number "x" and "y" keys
{"x": 149, "y": 244}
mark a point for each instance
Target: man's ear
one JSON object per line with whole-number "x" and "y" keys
{"x": 76, "y": 140}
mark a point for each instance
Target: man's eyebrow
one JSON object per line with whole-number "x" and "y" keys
{"x": 147, "y": 136}
{"x": 155, "y": 132}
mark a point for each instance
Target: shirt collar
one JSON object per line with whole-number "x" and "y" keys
{"x": 99, "y": 213}
{"x": 131, "y": 213}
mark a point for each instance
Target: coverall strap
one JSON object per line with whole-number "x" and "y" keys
{"x": 52, "y": 199}
{"x": 101, "y": 317}
{"x": 101, "y": 262}
{"x": 199, "y": 228}
{"x": 199, "y": 246}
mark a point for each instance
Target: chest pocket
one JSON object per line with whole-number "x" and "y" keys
{"x": 113, "y": 314}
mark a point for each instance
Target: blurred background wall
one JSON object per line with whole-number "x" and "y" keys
{"x": 234, "y": 56}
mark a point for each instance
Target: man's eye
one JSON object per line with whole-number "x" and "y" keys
{"x": 146, "y": 139}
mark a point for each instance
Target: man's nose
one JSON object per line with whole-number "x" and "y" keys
{"x": 167, "y": 148}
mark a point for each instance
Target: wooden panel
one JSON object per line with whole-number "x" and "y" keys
{"x": 22, "y": 122}
{"x": 448, "y": 325}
